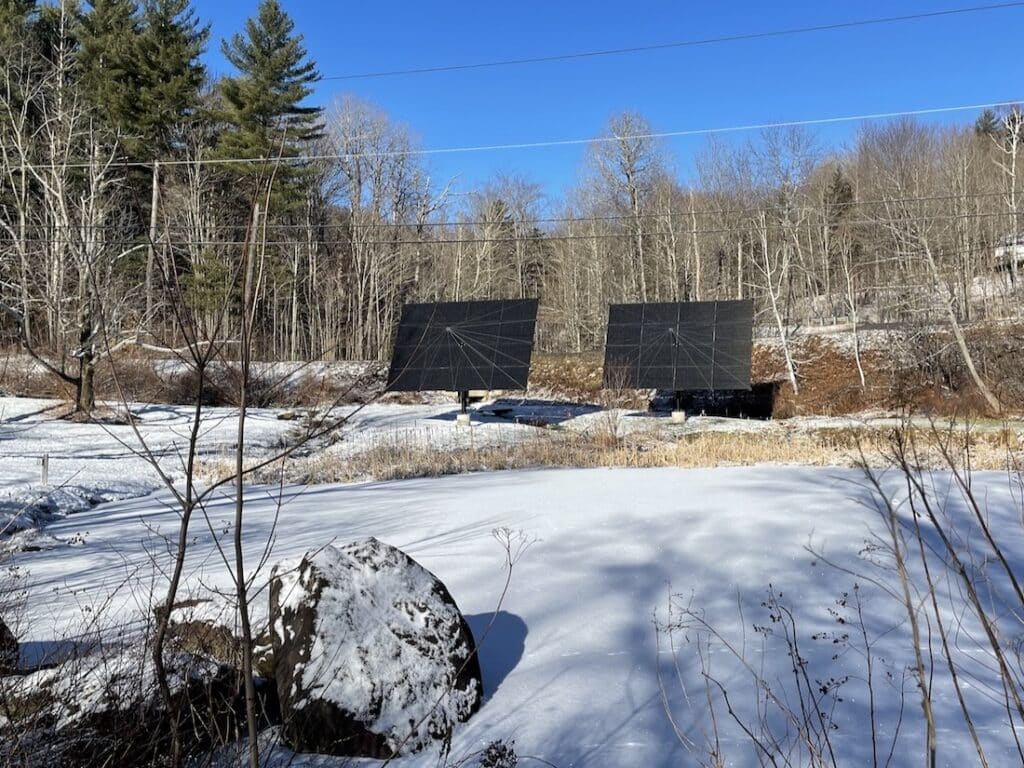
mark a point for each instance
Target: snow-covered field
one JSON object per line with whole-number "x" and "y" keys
{"x": 82, "y": 453}
{"x": 572, "y": 663}
{"x": 93, "y": 462}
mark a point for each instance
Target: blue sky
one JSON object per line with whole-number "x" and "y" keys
{"x": 947, "y": 61}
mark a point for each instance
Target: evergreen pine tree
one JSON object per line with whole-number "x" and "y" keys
{"x": 15, "y": 19}
{"x": 18, "y": 48}
{"x": 108, "y": 60}
{"x": 170, "y": 73}
{"x": 50, "y": 34}
{"x": 988, "y": 124}
{"x": 263, "y": 103}
{"x": 838, "y": 196}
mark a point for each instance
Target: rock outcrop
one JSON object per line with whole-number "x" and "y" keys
{"x": 8, "y": 649}
{"x": 371, "y": 654}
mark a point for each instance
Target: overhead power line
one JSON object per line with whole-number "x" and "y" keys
{"x": 679, "y": 44}
{"x": 551, "y": 237}
{"x": 702, "y": 213}
{"x": 528, "y": 145}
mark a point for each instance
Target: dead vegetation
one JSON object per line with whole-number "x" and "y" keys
{"x": 400, "y": 457}
{"x": 144, "y": 379}
{"x": 574, "y": 376}
{"x": 918, "y": 372}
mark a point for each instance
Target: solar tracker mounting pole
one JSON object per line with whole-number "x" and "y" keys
{"x": 678, "y": 415}
{"x": 463, "y": 417}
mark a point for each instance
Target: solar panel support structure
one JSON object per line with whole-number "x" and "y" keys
{"x": 678, "y": 413}
{"x": 680, "y": 347}
{"x": 463, "y": 346}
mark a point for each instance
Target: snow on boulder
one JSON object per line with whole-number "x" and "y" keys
{"x": 371, "y": 655}
{"x": 8, "y": 649}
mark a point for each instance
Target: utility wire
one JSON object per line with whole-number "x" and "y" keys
{"x": 523, "y": 145}
{"x": 542, "y": 238}
{"x": 674, "y": 45}
{"x": 569, "y": 219}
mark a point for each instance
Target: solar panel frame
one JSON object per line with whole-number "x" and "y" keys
{"x": 458, "y": 346}
{"x": 679, "y": 346}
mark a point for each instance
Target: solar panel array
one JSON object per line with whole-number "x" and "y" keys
{"x": 463, "y": 345}
{"x": 679, "y": 346}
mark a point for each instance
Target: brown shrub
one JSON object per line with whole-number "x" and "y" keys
{"x": 921, "y": 374}
{"x": 145, "y": 379}
{"x": 933, "y": 377}
{"x": 574, "y": 377}
{"x": 580, "y": 378}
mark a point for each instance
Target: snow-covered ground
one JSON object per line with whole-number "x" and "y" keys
{"x": 93, "y": 462}
{"x": 89, "y": 463}
{"x": 84, "y": 453}
{"x": 571, "y": 665}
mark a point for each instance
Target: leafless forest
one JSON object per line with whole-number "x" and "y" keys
{"x": 106, "y": 234}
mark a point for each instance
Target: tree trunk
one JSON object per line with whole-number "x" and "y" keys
{"x": 85, "y": 391}
{"x": 851, "y": 301}
{"x": 26, "y": 313}
{"x": 958, "y": 334}
{"x": 241, "y": 587}
{"x": 780, "y": 324}
{"x": 739, "y": 268}
{"x": 151, "y": 247}
{"x": 696, "y": 251}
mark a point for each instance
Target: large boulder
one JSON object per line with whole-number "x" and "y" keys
{"x": 371, "y": 655}
{"x": 8, "y": 649}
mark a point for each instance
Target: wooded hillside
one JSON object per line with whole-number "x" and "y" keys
{"x": 133, "y": 187}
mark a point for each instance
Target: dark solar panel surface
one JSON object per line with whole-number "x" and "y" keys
{"x": 463, "y": 345}
{"x": 695, "y": 345}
